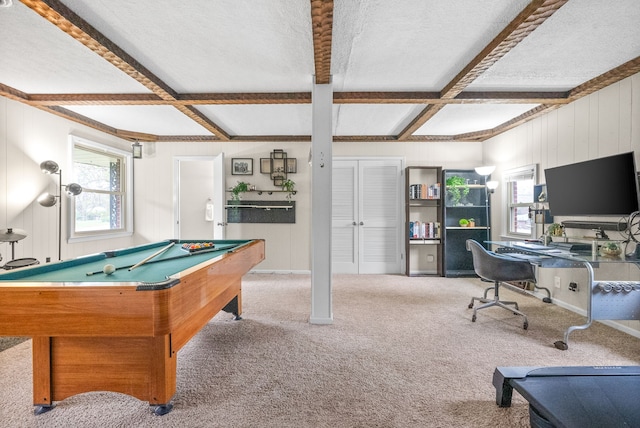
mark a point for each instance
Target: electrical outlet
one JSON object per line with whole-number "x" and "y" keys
{"x": 430, "y": 257}
{"x": 556, "y": 282}
{"x": 573, "y": 286}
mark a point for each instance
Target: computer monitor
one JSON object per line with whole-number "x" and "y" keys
{"x": 605, "y": 186}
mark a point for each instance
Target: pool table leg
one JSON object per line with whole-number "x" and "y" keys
{"x": 41, "y": 355}
{"x": 162, "y": 409}
{"x": 234, "y": 307}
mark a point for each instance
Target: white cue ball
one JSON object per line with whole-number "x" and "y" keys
{"x": 109, "y": 269}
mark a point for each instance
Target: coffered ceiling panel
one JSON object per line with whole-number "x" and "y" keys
{"x": 244, "y": 70}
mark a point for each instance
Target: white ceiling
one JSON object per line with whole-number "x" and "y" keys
{"x": 216, "y": 70}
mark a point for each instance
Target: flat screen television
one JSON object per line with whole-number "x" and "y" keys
{"x": 605, "y": 186}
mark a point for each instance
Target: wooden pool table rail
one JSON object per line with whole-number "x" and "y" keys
{"x": 96, "y": 337}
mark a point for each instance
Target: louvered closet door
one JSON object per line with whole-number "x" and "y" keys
{"x": 344, "y": 215}
{"x": 367, "y": 216}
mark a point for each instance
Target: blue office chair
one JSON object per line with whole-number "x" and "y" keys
{"x": 497, "y": 268}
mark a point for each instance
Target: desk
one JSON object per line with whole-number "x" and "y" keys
{"x": 607, "y": 300}
{"x": 573, "y": 397}
{"x": 120, "y": 332}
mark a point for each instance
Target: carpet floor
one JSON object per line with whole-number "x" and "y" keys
{"x": 401, "y": 352}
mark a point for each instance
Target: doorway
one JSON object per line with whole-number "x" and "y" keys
{"x": 199, "y": 197}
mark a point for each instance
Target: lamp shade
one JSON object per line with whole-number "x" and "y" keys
{"x": 493, "y": 184}
{"x": 47, "y": 200}
{"x": 485, "y": 170}
{"x": 49, "y": 167}
{"x": 73, "y": 189}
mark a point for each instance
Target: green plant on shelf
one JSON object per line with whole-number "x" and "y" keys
{"x": 463, "y": 222}
{"x": 289, "y": 186}
{"x": 457, "y": 188}
{"x": 239, "y": 188}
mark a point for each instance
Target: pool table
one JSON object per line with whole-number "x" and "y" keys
{"x": 121, "y": 332}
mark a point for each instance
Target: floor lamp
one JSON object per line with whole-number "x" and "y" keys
{"x": 485, "y": 172}
{"x": 49, "y": 200}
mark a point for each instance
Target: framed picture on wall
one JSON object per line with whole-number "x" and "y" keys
{"x": 242, "y": 166}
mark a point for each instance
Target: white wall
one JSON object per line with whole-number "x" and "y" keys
{"x": 606, "y": 122}
{"x": 28, "y": 136}
{"x": 601, "y": 124}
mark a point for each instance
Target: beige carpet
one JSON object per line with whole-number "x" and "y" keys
{"x": 402, "y": 352}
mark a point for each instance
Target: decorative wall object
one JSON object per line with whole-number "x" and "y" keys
{"x": 278, "y": 165}
{"x": 241, "y": 166}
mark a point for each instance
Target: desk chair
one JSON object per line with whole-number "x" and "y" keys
{"x": 496, "y": 267}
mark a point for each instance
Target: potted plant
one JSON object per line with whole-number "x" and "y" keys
{"x": 555, "y": 230}
{"x": 472, "y": 222}
{"x": 289, "y": 186}
{"x": 457, "y": 188}
{"x": 239, "y": 188}
{"x": 463, "y": 222}
{"x": 611, "y": 249}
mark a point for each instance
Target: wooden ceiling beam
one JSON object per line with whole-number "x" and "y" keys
{"x": 623, "y": 71}
{"x": 427, "y": 113}
{"x": 513, "y": 97}
{"x": 69, "y": 22}
{"x": 203, "y": 121}
{"x": 518, "y": 29}
{"x": 322, "y": 23}
{"x": 78, "y": 118}
{"x": 527, "y": 21}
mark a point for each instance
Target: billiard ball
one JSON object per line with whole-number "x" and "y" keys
{"x": 109, "y": 269}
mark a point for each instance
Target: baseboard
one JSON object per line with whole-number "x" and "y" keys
{"x": 281, "y": 272}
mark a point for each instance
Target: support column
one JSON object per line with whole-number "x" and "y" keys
{"x": 321, "y": 171}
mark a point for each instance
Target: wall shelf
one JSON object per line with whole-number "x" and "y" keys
{"x": 423, "y": 209}
{"x": 457, "y": 260}
{"x": 261, "y": 211}
{"x": 269, "y": 192}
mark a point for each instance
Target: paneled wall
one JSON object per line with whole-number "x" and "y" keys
{"x": 601, "y": 124}
{"x": 606, "y": 122}
{"x": 28, "y": 136}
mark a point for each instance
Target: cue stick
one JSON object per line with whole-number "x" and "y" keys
{"x": 157, "y": 253}
{"x": 161, "y": 260}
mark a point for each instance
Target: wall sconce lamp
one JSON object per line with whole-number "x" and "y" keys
{"x": 136, "y": 150}
{"x": 49, "y": 200}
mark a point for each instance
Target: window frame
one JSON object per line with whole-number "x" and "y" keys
{"x": 507, "y": 176}
{"x": 127, "y": 191}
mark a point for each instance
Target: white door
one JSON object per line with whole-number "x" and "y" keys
{"x": 367, "y": 216}
{"x": 344, "y": 216}
{"x": 199, "y": 197}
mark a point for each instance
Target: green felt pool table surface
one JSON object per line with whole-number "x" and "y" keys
{"x": 157, "y": 270}
{"x": 121, "y": 332}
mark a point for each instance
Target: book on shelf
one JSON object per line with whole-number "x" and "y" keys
{"x": 422, "y": 191}
{"x": 424, "y": 230}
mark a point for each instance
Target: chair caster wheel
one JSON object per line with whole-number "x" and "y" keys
{"x": 561, "y": 345}
{"x": 470, "y": 305}
{"x": 473, "y": 318}
{"x": 525, "y": 325}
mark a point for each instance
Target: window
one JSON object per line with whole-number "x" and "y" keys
{"x": 104, "y": 208}
{"x": 518, "y": 185}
